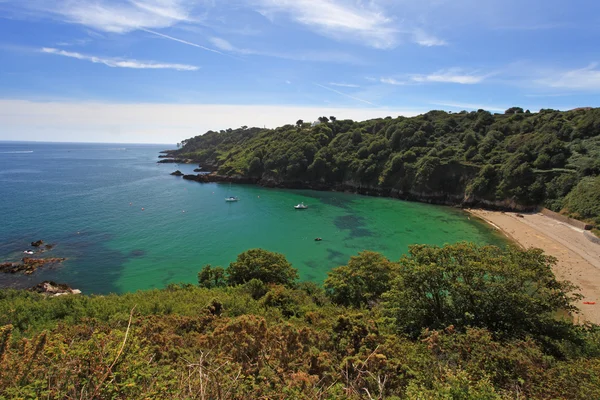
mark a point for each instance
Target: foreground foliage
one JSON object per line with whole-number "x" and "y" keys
{"x": 473, "y": 157}
{"x": 423, "y": 333}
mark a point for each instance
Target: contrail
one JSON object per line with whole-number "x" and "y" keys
{"x": 188, "y": 43}
{"x": 344, "y": 94}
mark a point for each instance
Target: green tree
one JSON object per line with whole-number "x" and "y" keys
{"x": 361, "y": 282}
{"x": 511, "y": 292}
{"x": 263, "y": 265}
{"x": 210, "y": 277}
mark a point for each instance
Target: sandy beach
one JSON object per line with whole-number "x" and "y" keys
{"x": 578, "y": 258}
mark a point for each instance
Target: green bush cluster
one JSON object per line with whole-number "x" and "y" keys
{"x": 456, "y": 322}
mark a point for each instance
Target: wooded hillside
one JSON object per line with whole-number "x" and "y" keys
{"x": 515, "y": 158}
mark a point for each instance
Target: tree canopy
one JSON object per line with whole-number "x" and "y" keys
{"x": 512, "y": 293}
{"x": 361, "y": 282}
{"x": 263, "y": 265}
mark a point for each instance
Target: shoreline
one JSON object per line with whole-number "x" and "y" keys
{"x": 578, "y": 259}
{"x": 457, "y": 200}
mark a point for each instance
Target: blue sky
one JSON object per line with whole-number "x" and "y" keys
{"x": 164, "y": 70}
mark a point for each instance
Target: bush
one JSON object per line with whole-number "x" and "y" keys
{"x": 263, "y": 265}
{"x": 361, "y": 282}
{"x": 512, "y": 293}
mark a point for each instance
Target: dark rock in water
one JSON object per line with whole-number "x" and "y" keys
{"x": 177, "y": 173}
{"x": 137, "y": 253}
{"x": 198, "y": 170}
{"x": 174, "y": 161}
{"x": 28, "y": 265}
{"x": 49, "y": 246}
{"x": 54, "y": 289}
{"x": 208, "y": 178}
{"x": 38, "y": 243}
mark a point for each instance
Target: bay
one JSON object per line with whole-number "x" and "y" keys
{"x": 125, "y": 224}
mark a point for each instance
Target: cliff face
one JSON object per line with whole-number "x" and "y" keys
{"x": 457, "y": 197}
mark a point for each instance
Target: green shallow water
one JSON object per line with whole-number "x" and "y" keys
{"x": 81, "y": 198}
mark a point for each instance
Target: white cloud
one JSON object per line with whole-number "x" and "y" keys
{"x": 584, "y": 79}
{"x": 425, "y": 39}
{"x": 154, "y": 123}
{"x": 118, "y": 17}
{"x": 450, "y": 76}
{"x": 223, "y": 44}
{"x": 119, "y": 62}
{"x": 341, "y": 84}
{"x": 340, "y": 19}
{"x": 392, "y": 81}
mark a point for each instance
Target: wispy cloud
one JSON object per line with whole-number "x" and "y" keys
{"x": 345, "y": 94}
{"x": 392, "y": 81}
{"x": 298, "y": 55}
{"x": 74, "y": 42}
{"x": 583, "y": 79}
{"x": 454, "y": 75}
{"x": 118, "y": 17}
{"x": 119, "y": 62}
{"x": 341, "y": 84}
{"x": 425, "y": 39}
{"x": 362, "y": 22}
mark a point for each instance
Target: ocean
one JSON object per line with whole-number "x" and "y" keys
{"x": 124, "y": 224}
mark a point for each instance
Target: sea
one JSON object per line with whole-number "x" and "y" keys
{"x": 125, "y": 224}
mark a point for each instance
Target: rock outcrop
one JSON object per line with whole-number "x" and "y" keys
{"x": 177, "y": 173}
{"x": 37, "y": 243}
{"x": 175, "y": 161}
{"x": 54, "y": 289}
{"x": 209, "y": 178}
{"x": 28, "y": 265}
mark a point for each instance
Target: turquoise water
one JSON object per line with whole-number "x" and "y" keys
{"x": 87, "y": 199}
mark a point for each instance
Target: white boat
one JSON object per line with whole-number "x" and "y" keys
{"x": 231, "y": 199}
{"x": 301, "y": 206}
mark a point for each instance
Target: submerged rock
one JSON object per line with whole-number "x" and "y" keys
{"x": 28, "y": 265}
{"x": 38, "y": 243}
{"x": 54, "y": 289}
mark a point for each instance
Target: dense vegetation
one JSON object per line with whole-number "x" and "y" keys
{"x": 515, "y": 158}
{"x": 458, "y": 322}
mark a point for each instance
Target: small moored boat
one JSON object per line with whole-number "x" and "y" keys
{"x": 231, "y": 199}
{"x": 301, "y": 206}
